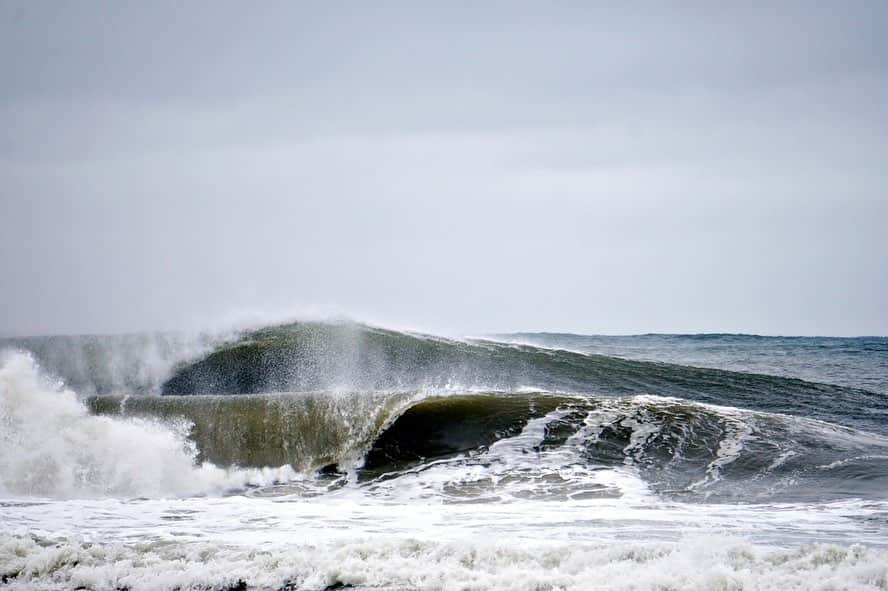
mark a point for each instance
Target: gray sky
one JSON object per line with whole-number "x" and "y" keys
{"x": 456, "y": 167}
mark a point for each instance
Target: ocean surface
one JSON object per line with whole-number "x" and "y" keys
{"x": 331, "y": 455}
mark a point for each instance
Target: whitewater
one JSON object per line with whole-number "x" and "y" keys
{"x": 325, "y": 455}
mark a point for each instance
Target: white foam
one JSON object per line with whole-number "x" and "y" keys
{"x": 404, "y": 563}
{"x": 846, "y": 461}
{"x": 51, "y": 446}
{"x": 737, "y": 433}
{"x": 513, "y": 468}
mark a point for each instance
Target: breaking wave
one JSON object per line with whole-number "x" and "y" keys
{"x": 340, "y": 403}
{"x": 50, "y": 445}
{"x": 322, "y": 456}
{"x": 680, "y": 448}
{"x": 345, "y": 356}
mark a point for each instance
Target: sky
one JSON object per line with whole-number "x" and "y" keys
{"x": 456, "y": 167}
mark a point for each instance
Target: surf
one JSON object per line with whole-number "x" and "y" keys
{"x": 320, "y": 454}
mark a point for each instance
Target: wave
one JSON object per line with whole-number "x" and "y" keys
{"x": 348, "y": 356}
{"x": 855, "y": 362}
{"x": 681, "y": 449}
{"x": 314, "y": 356}
{"x": 488, "y": 420}
{"x": 307, "y": 431}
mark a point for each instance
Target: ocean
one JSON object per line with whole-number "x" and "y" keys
{"x": 333, "y": 455}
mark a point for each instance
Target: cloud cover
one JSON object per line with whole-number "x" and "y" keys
{"x": 461, "y": 167}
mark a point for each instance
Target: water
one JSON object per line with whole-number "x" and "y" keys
{"x": 318, "y": 455}
{"x": 857, "y": 362}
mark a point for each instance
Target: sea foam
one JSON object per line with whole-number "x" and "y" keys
{"x": 703, "y": 563}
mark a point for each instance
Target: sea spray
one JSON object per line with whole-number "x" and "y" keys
{"x": 117, "y": 364}
{"x": 52, "y": 446}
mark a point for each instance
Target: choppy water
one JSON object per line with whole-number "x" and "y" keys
{"x": 313, "y": 455}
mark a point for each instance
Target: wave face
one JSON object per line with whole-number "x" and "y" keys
{"x": 306, "y": 431}
{"x": 355, "y": 357}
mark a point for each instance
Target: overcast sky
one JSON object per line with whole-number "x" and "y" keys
{"x": 452, "y": 166}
